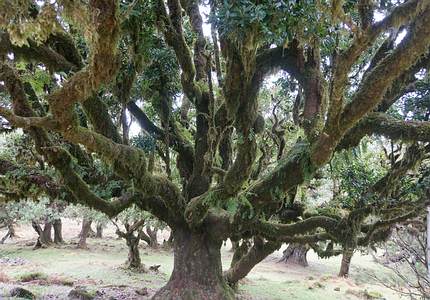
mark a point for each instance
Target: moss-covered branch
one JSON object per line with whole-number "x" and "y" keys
{"x": 392, "y": 128}
{"x": 259, "y": 251}
{"x": 374, "y": 86}
{"x": 274, "y": 230}
{"x": 400, "y": 15}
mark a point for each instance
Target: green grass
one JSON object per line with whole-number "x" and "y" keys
{"x": 31, "y": 276}
{"x": 102, "y": 266}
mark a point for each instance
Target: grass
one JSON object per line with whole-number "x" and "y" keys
{"x": 32, "y": 276}
{"x": 101, "y": 267}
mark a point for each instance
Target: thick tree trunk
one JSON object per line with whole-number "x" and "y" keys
{"x": 99, "y": 231}
{"x": 197, "y": 272}
{"x": 296, "y": 254}
{"x": 47, "y": 233}
{"x": 346, "y": 262}
{"x": 86, "y": 226}
{"x": 58, "y": 234}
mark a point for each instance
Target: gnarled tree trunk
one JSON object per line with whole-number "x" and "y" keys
{"x": 346, "y": 262}
{"x": 296, "y": 254}
{"x": 44, "y": 235}
{"x": 58, "y": 234}
{"x": 86, "y": 226}
{"x": 152, "y": 233}
{"x": 197, "y": 272}
{"x": 133, "y": 261}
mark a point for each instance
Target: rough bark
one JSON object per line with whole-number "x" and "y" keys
{"x": 133, "y": 261}
{"x": 296, "y": 254}
{"x": 86, "y": 226}
{"x": 346, "y": 262}
{"x": 99, "y": 231}
{"x": 199, "y": 257}
{"x": 58, "y": 234}
{"x": 47, "y": 233}
{"x": 152, "y": 233}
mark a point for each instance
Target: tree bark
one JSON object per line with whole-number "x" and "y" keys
{"x": 99, "y": 231}
{"x": 296, "y": 254}
{"x": 197, "y": 272}
{"x": 153, "y": 242}
{"x": 47, "y": 233}
{"x": 86, "y": 226}
{"x": 58, "y": 234}
{"x": 44, "y": 235}
{"x": 11, "y": 230}
{"x": 39, "y": 232}
{"x": 246, "y": 257}
{"x": 234, "y": 246}
{"x": 133, "y": 261}
{"x": 346, "y": 262}
{"x": 428, "y": 242}
{"x": 9, "y": 234}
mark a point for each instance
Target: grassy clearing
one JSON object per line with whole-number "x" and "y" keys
{"x": 53, "y": 271}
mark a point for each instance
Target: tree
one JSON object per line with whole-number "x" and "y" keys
{"x": 111, "y": 55}
{"x": 405, "y": 255}
{"x": 88, "y": 217}
{"x": 134, "y": 220}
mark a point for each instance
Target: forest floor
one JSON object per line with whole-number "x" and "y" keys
{"x": 51, "y": 273}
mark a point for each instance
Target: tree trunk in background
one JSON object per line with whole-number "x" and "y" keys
{"x": 197, "y": 271}
{"x": 169, "y": 242}
{"x": 240, "y": 250}
{"x": 86, "y": 226}
{"x": 296, "y": 254}
{"x": 234, "y": 246}
{"x": 99, "y": 231}
{"x": 91, "y": 233}
{"x": 47, "y": 233}
{"x": 11, "y": 229}
{"x": 58, "y": 234}
{"x": 153, "y": 243}
{"x": 40, "y": 242}
{"x": 428, "y": 242}
{"x": 346, "y": 262}
{"x": 9, "y": 234}
{"x": 133, "y": 261}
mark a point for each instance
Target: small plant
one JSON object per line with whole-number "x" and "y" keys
{"x": 32, "y": 276}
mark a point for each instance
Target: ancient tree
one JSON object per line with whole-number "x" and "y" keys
{"x": 146, "y": 58}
